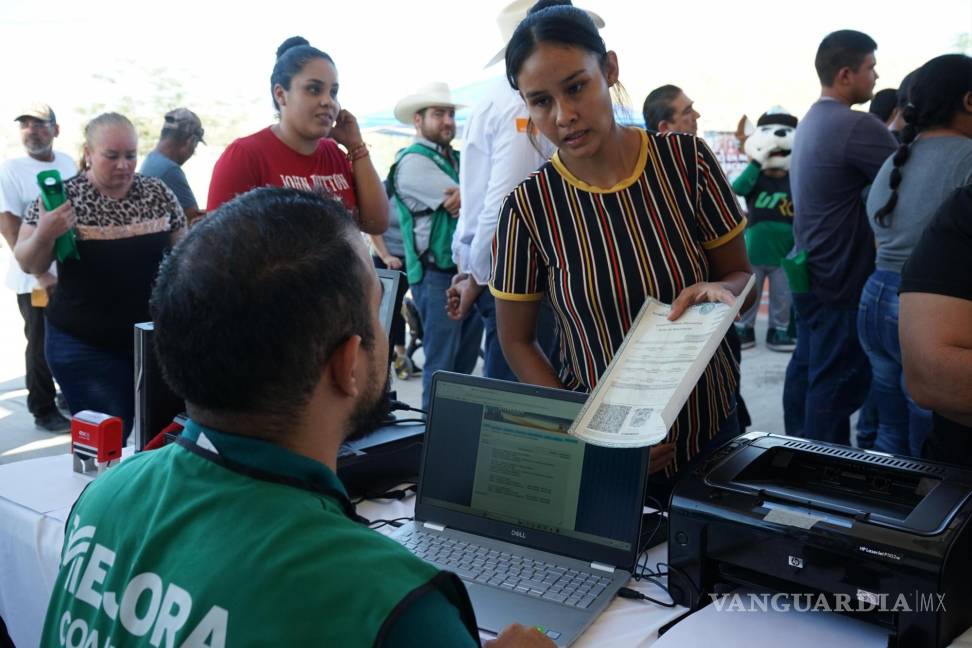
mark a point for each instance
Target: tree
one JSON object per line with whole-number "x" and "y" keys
{"x": 145, "y": 94}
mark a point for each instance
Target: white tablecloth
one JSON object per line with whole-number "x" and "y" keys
{"x": 36, "y": 498}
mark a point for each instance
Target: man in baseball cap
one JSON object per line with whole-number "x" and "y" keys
{"x": 39, "y": 111}
{"x": 18, "y": 189}
{"x": 181, "y": 131}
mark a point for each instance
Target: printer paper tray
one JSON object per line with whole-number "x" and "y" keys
{"x": 921, "y": 505}
{"x": 747, "y": 578}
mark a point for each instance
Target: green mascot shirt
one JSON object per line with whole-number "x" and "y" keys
{"x": 224, "y": 540}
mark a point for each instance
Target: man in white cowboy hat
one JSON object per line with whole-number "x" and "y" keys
{"x": 424, "y": 183}
{"x": 498, "y": 153}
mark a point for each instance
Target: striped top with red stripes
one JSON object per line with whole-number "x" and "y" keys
{"x": 598, "y": 253}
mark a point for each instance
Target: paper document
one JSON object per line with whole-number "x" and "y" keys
{"x": 652, "y": 374}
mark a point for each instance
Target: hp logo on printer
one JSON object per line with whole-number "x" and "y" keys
{"x": 518, "y": 533}
{"x": 795, "y": 562}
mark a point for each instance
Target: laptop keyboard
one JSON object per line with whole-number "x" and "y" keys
{"x": 506, "y": 570}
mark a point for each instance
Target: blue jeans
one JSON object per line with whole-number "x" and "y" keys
{"x": 448, "y": 345}
{"x": 548, "y": 337}
{"x": 494, "y": 362}
{"x": 828, "y": 376}
{"x": 867, "y": 419}
{"x": 902, "y": 425}
{"x": 92, "y": 378}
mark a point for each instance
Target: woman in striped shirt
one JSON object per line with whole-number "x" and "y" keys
{"x": 617, "y": 215}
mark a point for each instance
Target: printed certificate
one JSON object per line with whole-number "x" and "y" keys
{"x": 652, "y": 374}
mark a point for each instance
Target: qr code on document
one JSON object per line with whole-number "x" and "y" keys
{"x": 640, "y": 417}
{"x": 609, "y": 418}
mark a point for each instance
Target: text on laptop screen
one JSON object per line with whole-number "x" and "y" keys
{"x": 507, "y": 456}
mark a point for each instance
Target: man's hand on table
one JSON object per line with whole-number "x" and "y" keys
{"x": 515, "y": 636}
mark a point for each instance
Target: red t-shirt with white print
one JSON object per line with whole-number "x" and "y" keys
{"x": 261, "y": 160}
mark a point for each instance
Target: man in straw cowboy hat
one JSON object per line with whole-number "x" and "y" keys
{"x": 424, "y": 183}
{"x": 498, "y": 153}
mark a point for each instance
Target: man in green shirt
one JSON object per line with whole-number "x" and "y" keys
{"x": 240, "y": 533}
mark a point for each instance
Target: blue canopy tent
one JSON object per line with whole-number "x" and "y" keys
{"x": 384, "y": 122}
{"x": 386, "y": 135}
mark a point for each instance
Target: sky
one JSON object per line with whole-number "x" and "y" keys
{"x": 731, "y": 58}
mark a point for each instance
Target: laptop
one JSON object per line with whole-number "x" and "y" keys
{"x": 542, "y": 528}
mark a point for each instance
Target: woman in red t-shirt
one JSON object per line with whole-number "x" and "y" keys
{"x": 300, "y": 150}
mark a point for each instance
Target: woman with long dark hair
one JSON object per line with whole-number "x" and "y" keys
{"x": 935, "y": 157}
{"x": 301, "y": 151}
{"x": 617, "y": 215}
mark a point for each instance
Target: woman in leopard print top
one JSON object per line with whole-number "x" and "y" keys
{"x": 124, "y": 223}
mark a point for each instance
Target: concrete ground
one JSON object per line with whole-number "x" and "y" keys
{"x": 762, "y": 387}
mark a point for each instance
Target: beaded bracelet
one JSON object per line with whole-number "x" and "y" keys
{"x": 358, "y": 152}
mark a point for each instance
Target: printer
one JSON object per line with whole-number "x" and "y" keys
{"x": 880, "y": 537}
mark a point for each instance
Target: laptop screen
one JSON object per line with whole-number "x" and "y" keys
{"x": 500, "y": 452}
{"x": 392, "y": 290}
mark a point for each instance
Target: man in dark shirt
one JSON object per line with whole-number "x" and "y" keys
{"x": 935, "y": 327}
{"x": 884, "y": 105}
{"x": 836, "y": 154}
{"x": 181, "y": 133}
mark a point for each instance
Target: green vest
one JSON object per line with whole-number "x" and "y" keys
{"x": 443, "y": 224}
{"x": 186, "y": 546}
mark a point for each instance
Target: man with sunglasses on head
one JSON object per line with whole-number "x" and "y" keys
{"x": 181, "y": 132}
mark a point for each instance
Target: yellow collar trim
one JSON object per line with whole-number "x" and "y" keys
{"x": 624, "y": 184}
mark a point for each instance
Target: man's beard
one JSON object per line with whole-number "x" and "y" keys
{"x": 35, "y": 146}
{"x": 370, "y": 410}
{"x": 442, "y": 138}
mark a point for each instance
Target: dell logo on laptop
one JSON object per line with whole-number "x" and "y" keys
{"x": 518, "y": 533}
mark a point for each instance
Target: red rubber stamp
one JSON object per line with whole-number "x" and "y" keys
{"x": 96, "y": 441}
